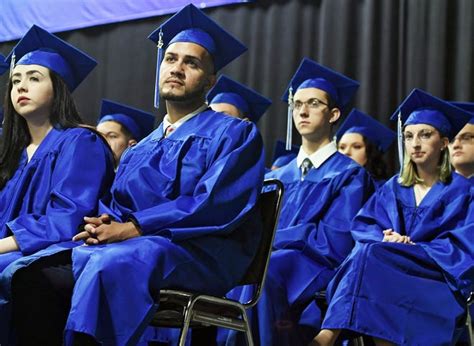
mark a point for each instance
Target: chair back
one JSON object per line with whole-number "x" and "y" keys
{"x": 269, "y": 204}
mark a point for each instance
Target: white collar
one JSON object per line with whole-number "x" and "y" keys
{"x": 181, "y": 121}
{"x": 319, "y": 156}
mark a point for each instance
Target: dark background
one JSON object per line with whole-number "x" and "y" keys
{"x": 389, "y": 46}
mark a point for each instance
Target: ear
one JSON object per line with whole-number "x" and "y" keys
{"x": 445, "y": 141}
{"x": 335, "y": 113}
{"x": 131, "y": 142}
{"x": 211, "y": 80}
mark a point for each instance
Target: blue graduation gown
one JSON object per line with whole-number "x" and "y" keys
{"x": 408, "y": 294}
{"x": 45, "y": 201}
{"x": 190, "y": 194}
{"x": 312, "y": 239}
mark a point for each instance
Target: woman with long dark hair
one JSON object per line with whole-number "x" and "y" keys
{"x": 365, "y": 140}
{"x": 46, "y": 183}
{"x": 408, "y": 277}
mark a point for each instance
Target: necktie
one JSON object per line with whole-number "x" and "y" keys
{"x": 168, "y": 130}
{"x": 305, "y": 167}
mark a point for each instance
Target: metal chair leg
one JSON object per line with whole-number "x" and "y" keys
{"x": 470, "y": 333}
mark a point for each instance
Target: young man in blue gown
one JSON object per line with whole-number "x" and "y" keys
{"x": 324, "y": 189}
{"x": 182, "y": 211}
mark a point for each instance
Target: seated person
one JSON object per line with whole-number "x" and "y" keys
{"x": 461, "y": 147}
{"x": 181, "y": 214}
{"x": 45, "y": 190}
{"x": 407, "y": 280}
{"x": 237, "y": 100}
{"x": 123, "y": 126}
{"x": 365, "y": 140}
{"x": 324, "y": 189}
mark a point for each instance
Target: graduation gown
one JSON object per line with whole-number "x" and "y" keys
{"x": 312, "y": 239}
{"x": 45, "y": 201}
{"x": 193, "y": 195}
{"x": 408, "y": 294}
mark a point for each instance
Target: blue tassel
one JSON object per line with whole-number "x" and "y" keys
{"x": 159, "y": 58}
{"x": 289, "y": 120}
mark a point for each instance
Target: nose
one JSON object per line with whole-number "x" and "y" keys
{"x": 456, "y": 143}
{"x": 20, "y": 86}
{"x": 303, "y": 111}
{"x": 177, "y": 69}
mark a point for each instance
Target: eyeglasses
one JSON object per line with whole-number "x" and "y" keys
{"x": 465, "y": 138}
{"x": 311, "y": 103}
{"x": 423, "y": 135}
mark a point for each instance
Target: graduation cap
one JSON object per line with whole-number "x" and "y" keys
{"x": 420, "y": 107}
{"x": 281, "y": 156}
{"x": 138, "y": 122}
{"x": 310, "y": 74}
{"x": 467, "y": 106}
{"x": 39, "y": 47}
{"x": 3, "y": 65}
{"x": 250, "y": 103}
{"x": 191, "y": 25}
{"x": 358, "y": 122}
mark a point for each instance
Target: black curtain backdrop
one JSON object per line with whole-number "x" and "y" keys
{"x": 389, "y": 46}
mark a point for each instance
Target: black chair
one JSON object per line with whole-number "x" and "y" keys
{"x": 179, "y": 309}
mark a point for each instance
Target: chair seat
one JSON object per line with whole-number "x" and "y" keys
{"x": 207, "y": 311}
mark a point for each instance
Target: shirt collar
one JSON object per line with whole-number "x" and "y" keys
{"x": 319, "y": 156}
{"x": 175, "y": 125}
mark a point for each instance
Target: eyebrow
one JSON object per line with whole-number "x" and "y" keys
{"x": 27, "y": 73}
{"x": 192, "y": 57}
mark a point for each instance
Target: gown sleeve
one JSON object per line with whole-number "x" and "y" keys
{"x": 76, "y": 187}
{"x": 224, "y": 194}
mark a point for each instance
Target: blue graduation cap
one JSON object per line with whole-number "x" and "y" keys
{"x": 250, "y": 103}
{"x": 281, "y": 156}
{"x": 138, "y": 122}
{"x": 191, "y": 25}
{"x": 310, "y": 74}
{"x": 358, "y": 122}
{"x": 39, "y": 47}
{"x": 3, "y": 65}
{"x": 467, "y": 106}
{"x": 419, "y": 107}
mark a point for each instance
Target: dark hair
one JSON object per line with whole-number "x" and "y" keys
{"x": 375, "y": 163}
{"x": 16, "y": 135}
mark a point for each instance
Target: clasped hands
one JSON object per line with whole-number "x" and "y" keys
{"x": 102, "y": 230}
{"x": 390, "y": 236}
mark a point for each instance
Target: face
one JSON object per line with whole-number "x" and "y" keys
{"x": 227, "y": 108}
{"x": 32, "y": 91}
{"x": 353, "y": 145}
{"x": 118, "y": 141}
{"x": 186, "y": 72}
{"x": 423, "y": 144}
{"x": 462, "y": 149}
{"x": 311, "y": 114}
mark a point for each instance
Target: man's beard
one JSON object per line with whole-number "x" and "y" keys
{"x": 197, "y": 93}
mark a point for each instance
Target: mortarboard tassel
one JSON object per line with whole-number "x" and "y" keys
{"x": 12, "y": 64}
{"x": 158, "y": 63}
{"x": 400, "y": 142}
{"x": 289, "y": 123}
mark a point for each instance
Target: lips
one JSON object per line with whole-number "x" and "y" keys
{"x": 22, "y": 98}
{"x": 174, "y": 81}
{"x": 457, "y": 153}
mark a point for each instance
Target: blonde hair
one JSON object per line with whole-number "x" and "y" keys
{"x": 409, "y": 176}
